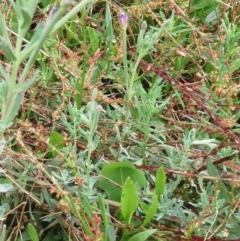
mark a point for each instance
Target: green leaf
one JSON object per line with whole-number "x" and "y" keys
{"x": 129, "y": 200}
{"x": 7, "y": 50}
{"x": 143, "y": 235}
{"x": 3, "y": 233}
{"x": 178, "y": 95}
{"x": 33, "y": 42}
{"x": 87, "y": 207}
{"x": 32, "y": 232}
{"x": 234, "y": 65}
{"x": 3, "y": 91}
{"x": 94, "y": 37}
{"x": 140, "y": 41}
{"x": 3, "y": 28}
{"x": 211, "y": 169}
{"x": 5, "y": 187}
{"x": 118, "y": 173}
{"x": 56, "y": 140}
{"x": 45, "y": 3}
{"x": 15, "y": 106}
{"x": 213, "y": 172}
{"x": 2, "y": 211}
{"x": 4, "y": 73}
{"x": 151, "y": 211}
{"x": 26, "y": 20}
{"x": 144, "y": 207}
{"x": 109, "y": 28}
{"x": 104, "y": 215}
{"x": 160, "y": 182}
{"x": 24, "y": 86}
{"x": 29, "y": 6}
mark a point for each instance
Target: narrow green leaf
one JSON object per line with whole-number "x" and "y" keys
{"x": 179, "y": 97}
{"x": 3, "y": 233}
{"x": 129, "y": 200}
{"x": 144, "y": 207}
{"x": 3, "y": 29}
{"x": 32, "y": 232}
{"x": 33, "y": 42}
{"x": 86, "y": 205}
{"x": 211, "y": 168}
{"x": 45, "y": 3}
{"x": 2, "y": 211}
{"x": 213, "y": 172}
{"x": 21, "y": 87}
{"x": 73, "y": 206}
{"x": 56, "y": 140}
{"x": 7, "y": 50}
{"x": 109, "y": 28}
{"x": 26, "y": 20}
{"x": 3, "y": 91}
{"x": 151, "y": 211}
{"x": 4, "y": 73}
{"x": 104, "y": 216}
{"x": 143, "y": 235}
{"x": 14, "y": 107}
{"x": 5, "y": 187}
{"x": 160, "y": 182}
{"x": 29, "y": 6}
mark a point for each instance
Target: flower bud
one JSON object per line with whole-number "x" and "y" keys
{"x": 51, "y": 14}
{"x": 144, "y": 26}
{"x": 123, "y": 19}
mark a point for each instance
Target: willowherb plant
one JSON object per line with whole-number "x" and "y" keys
{"x": 13, "y": 83}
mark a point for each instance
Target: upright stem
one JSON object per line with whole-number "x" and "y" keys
{"x": 128, "y": 81}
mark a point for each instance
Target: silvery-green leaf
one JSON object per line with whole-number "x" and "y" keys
{"x": 33, "y": 42}
{"x": 24, "y": 86}
{"x": 3, "y": 89}
{"x": 2, "y": 211}
{"x": 3, "y": 29}
{"x": 2, "y": 145}
{"x": 30, "y": 6}
{"x": 26, "y": 20}
{"x": 7, "y": 50}
{"x": 3, "y": 73}
{"x": 6, "y": 187}
{"x": 14, "y": 108}
{"x": 3, "y": 233}
{"x": 140, "y": 41}
{"x": 3, "y": 127}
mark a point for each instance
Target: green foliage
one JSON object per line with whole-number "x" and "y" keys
{"x": 118, "y": 173}
{"x": 119, "y": 129}
{"x": 160, "y": 182}
{"x": 3, "y": 233}
{"x": 142, "y": 236}
{"x": 56, "y": 141}
{"x": 213, "y": 172}
{"x": 150, "y": 211}
{"x": 32, "y": 232}
{"x": 129, "y": 200}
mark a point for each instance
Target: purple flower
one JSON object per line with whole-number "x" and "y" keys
{"x": 51, "y": 14}
{"x": 123, "y": 19}
{"x": 100, "y": 108}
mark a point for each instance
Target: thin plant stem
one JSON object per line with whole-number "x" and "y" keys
{"x": 80, "y": 85}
